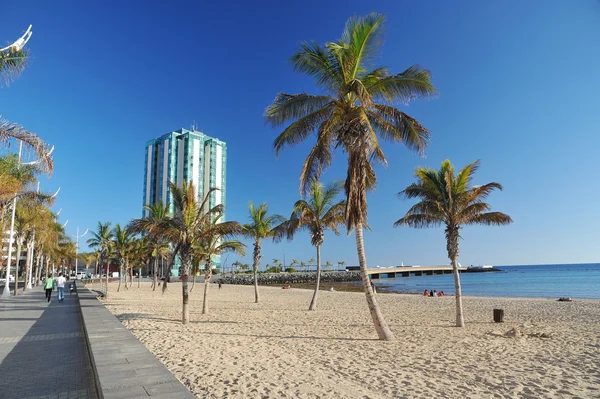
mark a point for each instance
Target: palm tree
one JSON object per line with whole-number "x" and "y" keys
{"x": 294, "y": 263}
{"x": 121, "y": 249}
{"x": 303, "y": 265}
{"x": 276, "y": 264}
{"x": 236, "y": 265}
{"x": 319, "y": 212}
{"x": 102, "y": 240}
{"x": 157, "y": 245}
{"x": 353, "y": 114}
{"x": 182, "y": 230}
{"x": 215, "y": 240}
{"x": 261, "y": 227}
{"x": 341, "y": 264}
{"x": 450, "y": 199}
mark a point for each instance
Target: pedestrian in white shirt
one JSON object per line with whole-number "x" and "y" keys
{"x": 60, "y": 286}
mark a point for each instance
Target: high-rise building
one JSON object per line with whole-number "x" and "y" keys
{"x": 184, "y": 155}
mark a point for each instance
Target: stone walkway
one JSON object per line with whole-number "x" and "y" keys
{"x": 43, "y": 352}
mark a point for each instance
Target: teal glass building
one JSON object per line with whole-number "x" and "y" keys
{"x": 185, "y": 155}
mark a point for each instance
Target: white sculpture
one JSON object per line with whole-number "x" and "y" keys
{"x": 20, "y": 43}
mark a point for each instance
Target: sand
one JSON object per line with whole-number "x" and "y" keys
{"x": 544, "y": 349}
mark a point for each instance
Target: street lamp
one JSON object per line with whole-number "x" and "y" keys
{"x": 77, "y": 248}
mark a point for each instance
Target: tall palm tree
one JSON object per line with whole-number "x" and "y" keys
{"x": 449, "y": 199}
{"x": 320, "y": 211}
{"x": 182, "y": 230}
{"x": 261, "y": 227}
{"x": 102, "y": 240}
{"x": 216, "y": 238}
{"x": 352, "y": 114}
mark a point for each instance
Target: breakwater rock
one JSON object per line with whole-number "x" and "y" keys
{"x": 287, "y": 278}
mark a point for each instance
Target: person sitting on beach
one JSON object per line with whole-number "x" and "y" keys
{"x": 441, "y": 293}
{"x": 435, "y": 293}
{"x": 431, "y": 293}
{"x": 425, "y": 293}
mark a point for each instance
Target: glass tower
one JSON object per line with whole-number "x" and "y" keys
{"x": 187, "y": 155}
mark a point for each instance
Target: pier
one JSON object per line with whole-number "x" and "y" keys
{"x": 408, "y": 271}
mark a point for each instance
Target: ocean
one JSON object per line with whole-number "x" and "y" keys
{"x": 531, "y": 281}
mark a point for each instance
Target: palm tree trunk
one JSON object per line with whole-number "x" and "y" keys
{"x": 207, "y": 276}
{"x": 383, "y": 331}
{"x": 184, "y": 288}
{"x": 120, "y": 277}
{"x": 27, "y": 266}
{"x": 313, "y": 302}
{"x": 193, "y": 283}
{"x": 452, "y": 247}
{"x": 106, "y": 290}
{"x": 139, "y": 276}
{"x": 17, "y": 258}
{"x": 155, "y": 283}
{"x": 255, "y": 269}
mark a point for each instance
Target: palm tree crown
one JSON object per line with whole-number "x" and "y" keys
{"x": 318, "y": 212}
{"x": 450, "y": 199}
{"x": 354, "y": 112}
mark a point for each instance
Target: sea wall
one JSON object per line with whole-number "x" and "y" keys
{"x": 287, "y": 278}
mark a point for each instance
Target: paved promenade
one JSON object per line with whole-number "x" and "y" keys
{"x": 43, "y": 352}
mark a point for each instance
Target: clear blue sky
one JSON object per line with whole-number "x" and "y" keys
{"x": 518, "y": 88}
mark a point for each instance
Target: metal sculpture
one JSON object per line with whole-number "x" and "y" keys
{"x": 20, "y": 42}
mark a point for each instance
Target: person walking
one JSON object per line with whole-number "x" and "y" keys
{"x": 60, "y": 287}
{"x": 49, "y": 285}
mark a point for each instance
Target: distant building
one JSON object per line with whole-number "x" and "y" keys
{"x": 184, "y": 155}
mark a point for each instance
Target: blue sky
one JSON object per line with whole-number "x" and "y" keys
{"x": 518, "y": 89}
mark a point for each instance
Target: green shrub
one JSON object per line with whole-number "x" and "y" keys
{"x": 291, "y": 270}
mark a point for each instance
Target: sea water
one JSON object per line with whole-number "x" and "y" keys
{"x": 532, "y": 281}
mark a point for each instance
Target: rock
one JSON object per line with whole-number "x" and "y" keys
{"x": 288, "y": 278}
{"x": 513, "y": 333}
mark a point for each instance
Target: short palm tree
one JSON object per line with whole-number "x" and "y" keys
{"x": 156, "y": 245}
{"x": 122, "y": 245}
{"x": 261, "y": 227}
{"x": 449, "y": 199}
{"x": 353, "y": 114}
{"x": 320, "y": 211}
{"x": 182, "y": 230}
{"x": 217, "y": 239}
{"x": 102, "y": 241}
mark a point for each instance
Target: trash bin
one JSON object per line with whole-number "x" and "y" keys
{"x": 498, "y": 315}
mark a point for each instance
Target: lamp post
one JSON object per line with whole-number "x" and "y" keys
{"x": 77, "y": 248}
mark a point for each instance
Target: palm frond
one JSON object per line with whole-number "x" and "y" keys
{"x": 31, "y": 141}
{"x": 318, "y": 159}
{"x": 404, "y": 87}
{"x": 490, "y": 219}
{"x": 362, "y": 37}
{"x": 287, "y": 107}
{"x": 301, "y": 129}
{"x": 12, "y": 64}
{"x": 315, "y": 61}
{"x": 396, "y": 126}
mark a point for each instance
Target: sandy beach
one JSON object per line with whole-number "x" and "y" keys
{"x": 279, "y": 349}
